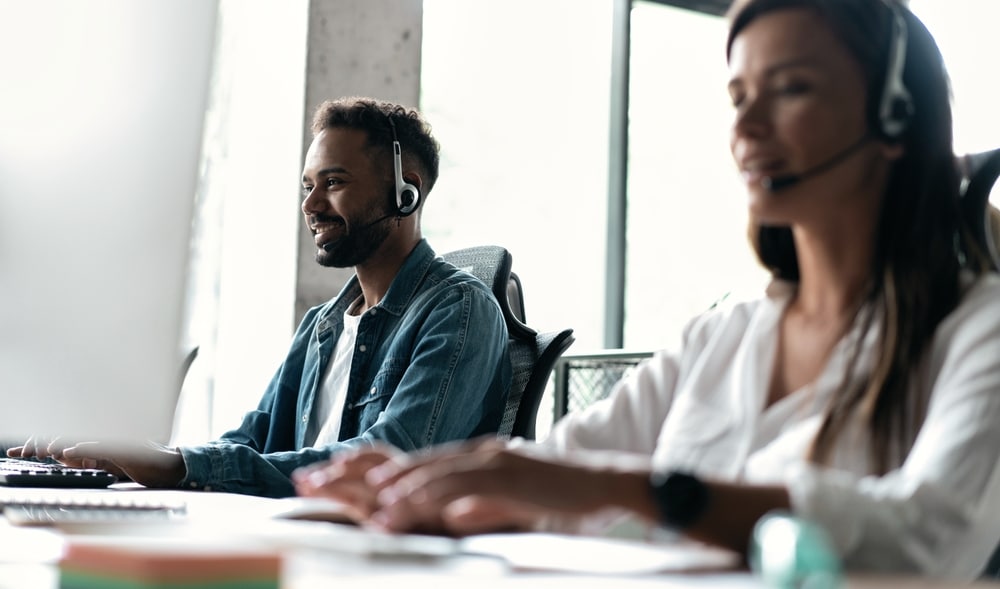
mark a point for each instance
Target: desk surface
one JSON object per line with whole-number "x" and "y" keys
{"x": 315, "y": 553}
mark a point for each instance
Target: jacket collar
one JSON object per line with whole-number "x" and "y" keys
{"x": 402, "y": 290}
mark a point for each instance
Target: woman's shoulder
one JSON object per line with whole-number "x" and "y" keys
{"x": 978, "y": 312}
{"x": 980, "y": 291}
{"x": 986, "y": 282}
{"x": 736, "y": 312}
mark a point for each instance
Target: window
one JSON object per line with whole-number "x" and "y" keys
{"x": 517, "y": 93}
{"x": 963, "y": 30}
{"x": 523, "y": 129}
{"x": 687, "y": 238}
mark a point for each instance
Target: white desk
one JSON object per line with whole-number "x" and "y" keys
{"x": 29, "y": 555}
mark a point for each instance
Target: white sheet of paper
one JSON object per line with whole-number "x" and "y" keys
{"x": 596, "y": 555}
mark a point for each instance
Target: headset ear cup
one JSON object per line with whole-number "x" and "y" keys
{"x": 898, "y": 120}
{"x": 895, "y": 104}
{"x": 407, "y": 195}
{"x": 407, "y": 199}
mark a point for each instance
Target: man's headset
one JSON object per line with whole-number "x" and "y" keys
{"x": 407, "y": 195}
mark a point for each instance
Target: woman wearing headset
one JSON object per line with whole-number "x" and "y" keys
{"x": 862, "y": 392}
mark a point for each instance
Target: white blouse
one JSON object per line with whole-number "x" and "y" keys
{"x": 702, "y": 408}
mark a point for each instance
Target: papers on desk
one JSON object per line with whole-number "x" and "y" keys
{"x": 594, "y": 555}
{"x": 523, "y": 551}
{"x": 528, "y": 551}
{"x": 352, "y": 539}
{"x": 316, "y": 509}
{"x": 218, "y": 522}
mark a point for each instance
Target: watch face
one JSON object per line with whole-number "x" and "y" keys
{"x": 681, "y": 497}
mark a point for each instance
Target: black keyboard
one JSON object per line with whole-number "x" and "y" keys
{"x": 18, "y": 472}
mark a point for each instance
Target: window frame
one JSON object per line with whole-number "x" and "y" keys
{"x": 615, "y": 271}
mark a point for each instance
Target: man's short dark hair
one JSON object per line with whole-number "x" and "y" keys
{"x": 373, "y": 116}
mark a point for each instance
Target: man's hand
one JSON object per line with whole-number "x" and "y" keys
{"x": 149, "y": 464}
{"x": 39, "y": 447}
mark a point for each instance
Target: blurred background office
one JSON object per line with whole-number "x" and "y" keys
{"x": 588, "y": 137}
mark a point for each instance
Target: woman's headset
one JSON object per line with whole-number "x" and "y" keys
{"x": 895, "y": 107}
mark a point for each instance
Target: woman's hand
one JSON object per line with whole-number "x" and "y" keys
{"x": 483, "y": 486}
{"x": 342, "y": 478}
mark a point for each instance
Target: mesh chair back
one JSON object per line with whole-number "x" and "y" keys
{"x": 532, "y": 355}
{"x": 492, "y": 265}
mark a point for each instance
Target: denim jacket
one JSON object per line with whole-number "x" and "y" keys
{"x": 430, "y": 365}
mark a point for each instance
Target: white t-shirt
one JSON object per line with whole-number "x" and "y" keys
{"x": 324, "y": 422}
{"x": 703, "y": 407}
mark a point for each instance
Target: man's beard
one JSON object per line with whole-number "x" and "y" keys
{"x": 359, "y": 242}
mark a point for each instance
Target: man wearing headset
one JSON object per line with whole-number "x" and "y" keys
{"x": 412, "y": 352}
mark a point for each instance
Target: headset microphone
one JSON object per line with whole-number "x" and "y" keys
{"x": 776, "y": 183}
{"x": 332, "y": 244}
{"x": 893, "y": 113}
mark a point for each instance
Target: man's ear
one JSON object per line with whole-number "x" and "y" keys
{"x": 414, "y": 179}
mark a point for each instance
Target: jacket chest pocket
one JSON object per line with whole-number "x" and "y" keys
{"x": 372, "y": 401}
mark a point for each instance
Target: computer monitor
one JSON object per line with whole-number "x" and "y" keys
{"x": 102, "y": 105}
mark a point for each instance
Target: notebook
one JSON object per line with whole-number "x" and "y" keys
{"x": 102, "y": 113}
{"x": 73, "y": 511}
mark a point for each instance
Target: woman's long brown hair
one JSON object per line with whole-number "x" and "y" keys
{"x": 921, "y": 240}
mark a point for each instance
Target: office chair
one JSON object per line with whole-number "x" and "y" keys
{"x": 532, "y": 354}
{"x": 515, "y": 297}
{"x": 980, "y": 171}
{"x": 186, "y": 366}
{"x": 492, "y": 265}
{"x": 540, "y": 358}
{"x": 979, "y": 175}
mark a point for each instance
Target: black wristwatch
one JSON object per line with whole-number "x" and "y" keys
{"x": 680, "y": 497}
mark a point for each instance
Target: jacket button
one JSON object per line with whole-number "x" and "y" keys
{"x": 373, "y": 391}
{"x": 362, "y": 348}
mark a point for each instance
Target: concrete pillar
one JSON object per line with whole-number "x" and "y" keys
{"x": 275, "y": 61}
{"x": 355, "y": 48}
